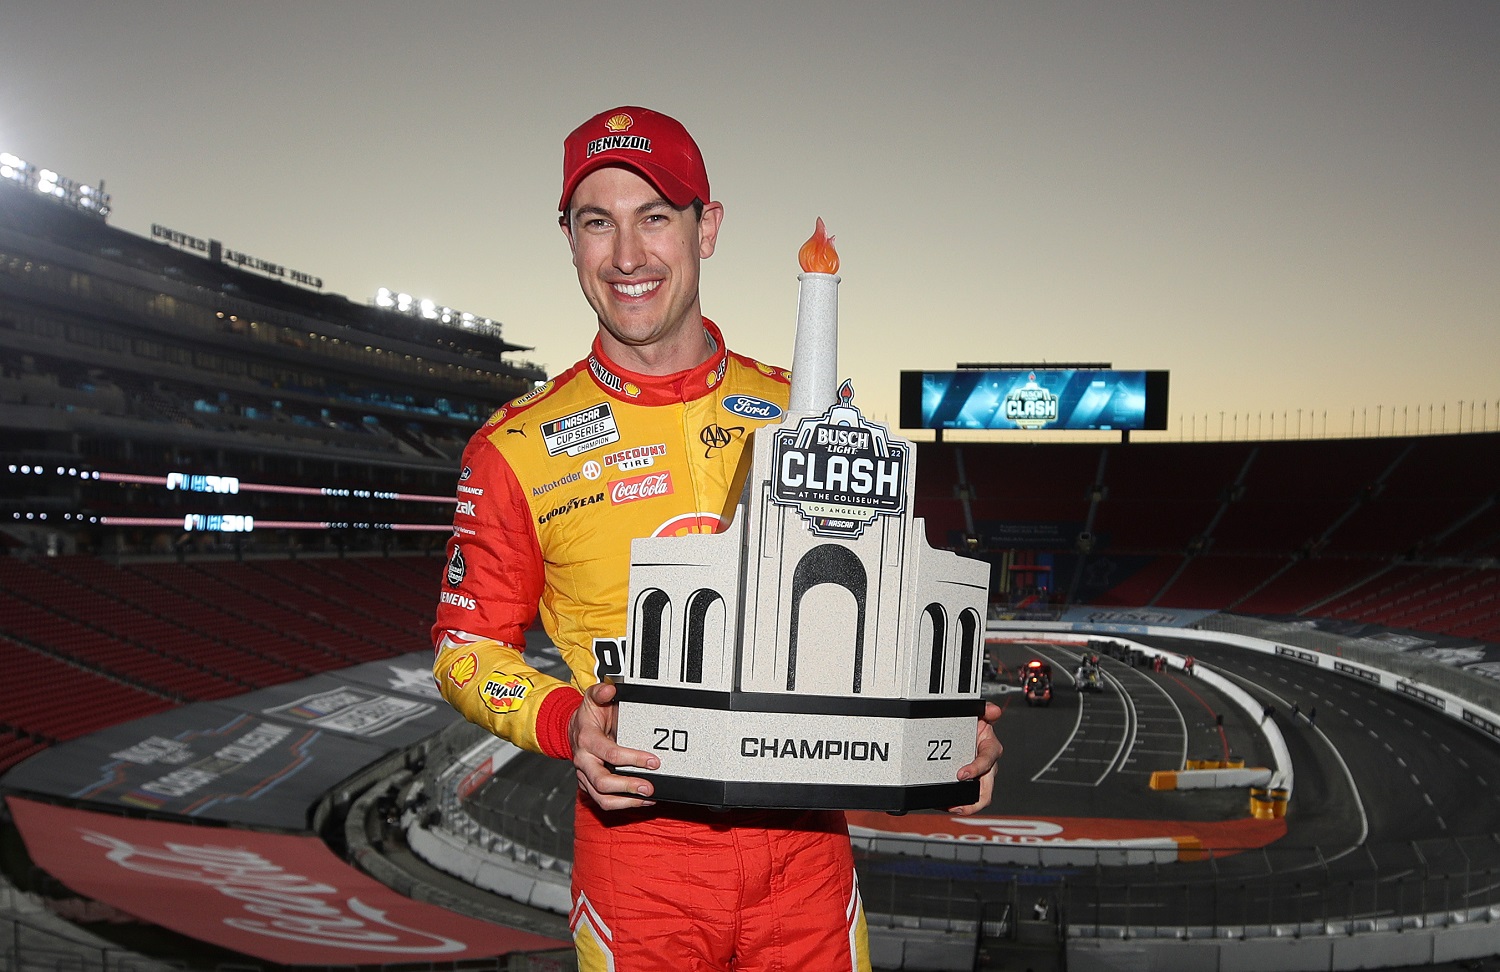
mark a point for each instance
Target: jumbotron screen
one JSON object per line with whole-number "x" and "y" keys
{"x": 1034, "y": 399}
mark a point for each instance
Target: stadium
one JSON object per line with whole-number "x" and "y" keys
{"x": 1271, "y": 737}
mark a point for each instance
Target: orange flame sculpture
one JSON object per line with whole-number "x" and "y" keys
{"x": 817, "y": 254}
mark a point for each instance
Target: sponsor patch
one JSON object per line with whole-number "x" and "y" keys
{"x": 611, "y": 380}
{"x": 635, "y": 143}
{"x": 465, "y": 508}
{"x": 503, "y": 692}
{"x": 591, "y": 470}
{"x": 576, "y": 503}
{"x": 463, "y": 477}
{"x": 461, "y": 672}
{"x": 456, "y": 566}
{"x": 716, "y": 437}
{"x": 750, "y": 407}
{"x": 688, "y": 523}
{"x": 581, "y": 431}
{"x": 639, "y": 457}
{"x": 647, "y": 486}
{"x": 458, "y": 600}
{"x": 563, "y": 480}
{"x": 529, "y": 397}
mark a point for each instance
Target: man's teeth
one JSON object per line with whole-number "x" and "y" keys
{"x": 637, "y": 289}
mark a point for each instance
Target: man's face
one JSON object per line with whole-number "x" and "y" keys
{"x": 637, "y": 258}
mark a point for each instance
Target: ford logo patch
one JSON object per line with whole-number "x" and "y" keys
{"x": 751, "y": 407}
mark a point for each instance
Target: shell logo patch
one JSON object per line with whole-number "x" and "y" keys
{"x": 688, "y": 523}
{"x": 632, "y": 389}
{"x": 619, "y": 123}
{"x": 461, "y": 672}
{"x": 504, "y": 693}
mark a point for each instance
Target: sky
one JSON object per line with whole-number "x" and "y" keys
{"x": 1286, "y": 205}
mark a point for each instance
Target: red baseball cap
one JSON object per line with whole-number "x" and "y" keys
{"x": 653, "y": 144}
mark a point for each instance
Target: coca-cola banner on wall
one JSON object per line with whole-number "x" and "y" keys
{"x": 278, "y": 897}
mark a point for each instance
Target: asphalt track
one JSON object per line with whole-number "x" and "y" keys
{"x": 1393, "y": 809}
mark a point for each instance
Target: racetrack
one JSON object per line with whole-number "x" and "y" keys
{"x": 1392, "y": 811}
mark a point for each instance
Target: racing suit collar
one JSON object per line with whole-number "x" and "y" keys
{"x": 682, "y": 386}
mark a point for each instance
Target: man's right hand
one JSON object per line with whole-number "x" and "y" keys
{"x": 592, "y": 732}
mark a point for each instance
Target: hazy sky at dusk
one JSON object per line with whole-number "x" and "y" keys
{"x": 1287, "y": 205}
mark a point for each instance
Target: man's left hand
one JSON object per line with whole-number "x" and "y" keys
{"x": 987, "y": 751}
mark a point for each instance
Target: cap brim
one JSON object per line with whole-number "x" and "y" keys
{"x": 672, "y": 189}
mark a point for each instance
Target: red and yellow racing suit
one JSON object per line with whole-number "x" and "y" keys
{"x": 554, "y": 487}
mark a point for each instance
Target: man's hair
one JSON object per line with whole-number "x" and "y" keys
{"x": 566, "y": 219}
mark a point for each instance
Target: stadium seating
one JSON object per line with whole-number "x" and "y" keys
{"x": 1398, "y": 531}
{"x": 39, "y": 706}
{"x": 149, "y": 636}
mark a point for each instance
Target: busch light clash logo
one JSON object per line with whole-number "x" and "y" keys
{"x": 839, "y": 471}
{"x": 1031, "y": 406}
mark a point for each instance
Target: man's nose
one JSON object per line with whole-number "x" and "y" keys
{"x": 630, "y": 254}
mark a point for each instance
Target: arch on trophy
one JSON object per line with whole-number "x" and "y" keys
{"x": 940, "y": 646}
{"x": 653, "y": 620}
{"x": 834, "y": 568}
{"x": 934, "y": 640}
{"x": 969, "y": 652}
{"x": 703, "y": 636}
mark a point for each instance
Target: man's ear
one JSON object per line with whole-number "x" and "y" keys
{"x": 565, "y": 223}
{"x": 708, "y": 228}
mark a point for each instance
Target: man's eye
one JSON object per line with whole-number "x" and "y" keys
{"x": 596, "y": 224}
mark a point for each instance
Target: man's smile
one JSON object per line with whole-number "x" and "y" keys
{"x": 636, "y": 289}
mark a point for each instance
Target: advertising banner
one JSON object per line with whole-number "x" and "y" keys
{"x": 409, "y": 674}
{"x": 280, "y": 898}
{"x": 205, "y": 760}
{"x": 341, "y": 705}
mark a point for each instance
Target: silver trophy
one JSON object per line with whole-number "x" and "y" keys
{"x": 818, "y": 652}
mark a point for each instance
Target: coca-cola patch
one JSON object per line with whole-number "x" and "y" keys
{"x": 640, "y": 487}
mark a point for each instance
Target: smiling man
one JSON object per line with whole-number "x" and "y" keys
{"x": 641, "y": 438}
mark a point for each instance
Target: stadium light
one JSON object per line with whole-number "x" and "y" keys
{"x": 430, "y": 310}
{"x": 89, "y": 199}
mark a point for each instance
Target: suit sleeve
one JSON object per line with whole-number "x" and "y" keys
{"x": 492, "y": 583}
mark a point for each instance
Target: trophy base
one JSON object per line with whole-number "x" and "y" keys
{"x": 782, "y": 750}
{"x": 721, "y": 794}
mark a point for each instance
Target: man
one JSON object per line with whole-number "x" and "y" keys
{"x": 633, "y": 441}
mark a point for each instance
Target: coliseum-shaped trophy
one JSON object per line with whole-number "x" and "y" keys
{"x": 816, "y": 653}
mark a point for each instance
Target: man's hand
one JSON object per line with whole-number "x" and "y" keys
{"x": 592, "y": 732}
{"x": 986, "y": 754}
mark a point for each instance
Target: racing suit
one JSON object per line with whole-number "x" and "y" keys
{"x": 554, "y": 487}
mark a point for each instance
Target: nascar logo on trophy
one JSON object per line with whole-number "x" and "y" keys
{"x": 817, "y": 652}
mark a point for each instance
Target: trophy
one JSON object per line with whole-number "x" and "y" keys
{"x": 817, "y": 652}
